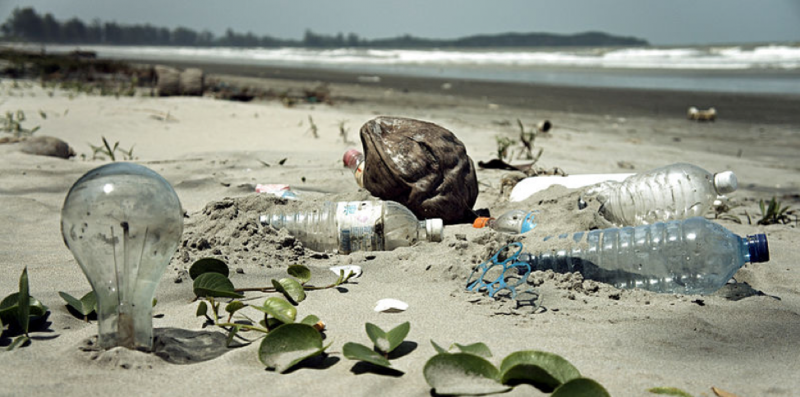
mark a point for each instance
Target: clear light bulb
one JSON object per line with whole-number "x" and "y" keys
{"x": 123, "y": 222}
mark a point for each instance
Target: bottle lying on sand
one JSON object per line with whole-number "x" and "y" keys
{"x": 676, "y": 191}
{"x": 349, "y": 226}
{"x": 691, "y": 256}
{"x": 534, "y": 184}
{"x": 354, "y": 160}
{"x": 512, "y": 222}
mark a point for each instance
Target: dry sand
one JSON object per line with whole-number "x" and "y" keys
{"x": 214, "y": 152}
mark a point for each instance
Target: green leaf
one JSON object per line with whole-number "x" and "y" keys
{"x": 310, "y": 320}
{"x": 215, "y": 285}
{"x": 208, "y": 265}
{"x": 478, "y": 349}
{"x": 290, "y": 288}
{"x": 300, "y": 272}
{"x": 438, "y": 348}
{"x": 378, "y": 337}
{"x": 289, "y": 344}
{"x": 278, "y": 308}
{"x": 357, "y": 351}
{"x": 9, "y": 305}
{"x": 462, "y": 373}
{"x": 23, "y": 302}
{"x": 397, "y": 335}
{"x": 669, "y": 391}
{"x": 234, "y": 306}
{"x": 545, "y": 371}
{"x": 231, "y": 334}
{"x": 18, "y": 341}
{"x": 85, "y": 306}
{"x": 581, "y": 387}
{"x": 202, "y": 309}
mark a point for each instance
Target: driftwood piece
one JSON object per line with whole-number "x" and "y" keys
{"x": 420, "y": 165}
{"x": 167, "y": 81}
{"x": 192, "y": 82}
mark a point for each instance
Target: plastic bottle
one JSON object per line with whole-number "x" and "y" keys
{"x": 354, "y": 160}
{"x": 531, "y": 185}
{"x": 673, "y": 192}
{"x": 513, "y": 222}
{"x": 356, "y": 226}
{"x": 692, "y": 256}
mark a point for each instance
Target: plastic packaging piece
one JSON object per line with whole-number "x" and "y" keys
{"x": 513, "y": 222}
{"x": 354, "y": 160}
{"x": 390, "y": 305}
{"x": 277, "y": 190}
{"x": 529, "y": 186}
{"x": 493, "y": 286}
{"x": 676, "y": 191}
{"x": 346, "y": 270}
{"x": 356, "y": 226}
{"x": 692, "y": 256}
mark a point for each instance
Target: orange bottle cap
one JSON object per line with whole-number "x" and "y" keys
{"x": 481, "y": 222}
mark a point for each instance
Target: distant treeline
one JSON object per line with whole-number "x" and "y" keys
{"x": 28, "y": 25}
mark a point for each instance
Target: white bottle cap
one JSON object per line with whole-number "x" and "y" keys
{"x": 725, "y": 182}
{"x": 435, "y": 229}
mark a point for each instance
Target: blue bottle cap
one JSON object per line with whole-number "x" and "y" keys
{"x": 759, "y": 249}
{"x": 528, "y": 222}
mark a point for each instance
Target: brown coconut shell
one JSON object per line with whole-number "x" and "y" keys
{"x": 420, "y": 165}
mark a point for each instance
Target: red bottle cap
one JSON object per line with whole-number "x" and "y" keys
{"x": 351, "y": 158}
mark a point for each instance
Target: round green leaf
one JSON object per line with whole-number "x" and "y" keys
{"x": 289, "y": 344}
{"x": 378, "y": 337}
{"x": 278, "y": 308}
{"x": 300, "y": 272}
{"x": 234, "y": 306}
{"x": 9, "y": 305}
{"x": 291, "y": 289}
{"x": 202, "y": 309}
{"x": 208, "y": 265}
{"x": 462, "y": 373}
{"x": 214, "y": 285}
{"x": 581, "y": 387}
{"x": 545, "y": 371}
{"x": 310, "y": 320}
{"x": 84, "y": 306}
{"x": 478, "y": 349}
{"x": 357, "y": 351}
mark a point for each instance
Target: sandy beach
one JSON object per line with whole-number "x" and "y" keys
{"x": 214, "y": 152}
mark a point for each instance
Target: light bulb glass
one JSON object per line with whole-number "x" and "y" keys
{"x": 123, "y": 222}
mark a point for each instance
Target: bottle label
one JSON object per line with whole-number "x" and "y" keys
{"x": 357, "y": 220}
{"x": 359, "y": 174}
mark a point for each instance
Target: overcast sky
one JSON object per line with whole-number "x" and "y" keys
{"x": 662, "y": 22}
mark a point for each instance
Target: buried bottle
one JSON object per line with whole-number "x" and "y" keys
{"x": 512, "y": 222}
{"x": 676, "y": 191}
{"x": 692, "y": 256}
{"x": 350, "y": 226}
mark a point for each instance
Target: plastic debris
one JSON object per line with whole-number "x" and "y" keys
{"x": 389, "y": 305}
{"x": 493, "y": 286}
{"x": 347, "y": 269}
{"x": 277, "y": 190}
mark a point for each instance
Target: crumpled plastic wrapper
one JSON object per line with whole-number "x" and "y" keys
{"x": 420, "y": 165}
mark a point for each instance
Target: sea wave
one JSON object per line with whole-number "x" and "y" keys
{"x": 698, "y": 58}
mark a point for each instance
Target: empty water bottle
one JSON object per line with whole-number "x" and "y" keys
{"x": 673, "y": 192}
{"x": 354, "y": 160}
{"x": 692, "y": 256}
{"x": 512, "y": 222}
{"x": 356, "y": 226}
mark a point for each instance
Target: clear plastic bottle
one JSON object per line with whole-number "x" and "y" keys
{"x": 354, "y": 160}
{"x": 512, "y": 222}
{"x": 349, "y": 226}
{"x": 692, "y": 256}
{"x": 673, "y": 192}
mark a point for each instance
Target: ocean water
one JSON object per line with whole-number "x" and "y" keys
{"x": 769, "y": 68}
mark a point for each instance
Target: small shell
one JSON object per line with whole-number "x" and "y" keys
{"x": 391, "y": 306}
{"x": 356, "y": 270}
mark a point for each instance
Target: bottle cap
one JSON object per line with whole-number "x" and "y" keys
{"x": 435, "y": 229}
{"x": 481, "y": 222}
{"x": 351, "y": 158}
{"x": 725, "y": 182}
{"x": 759, "y": 248}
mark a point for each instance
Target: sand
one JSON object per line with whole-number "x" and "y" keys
{"x": 214, "y": 153}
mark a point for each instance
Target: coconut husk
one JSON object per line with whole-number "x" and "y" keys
{"x": 420, "y": 165}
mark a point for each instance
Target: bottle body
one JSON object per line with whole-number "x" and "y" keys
{"x": 692, "y": 256}
{"x": 676, "y": 191}
{"x": 350, "y": 226}
{"x": 512, "y": 222}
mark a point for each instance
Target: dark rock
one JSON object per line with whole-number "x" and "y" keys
{"x": 420, "y": 165}
{"x": 46, "y": 146}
